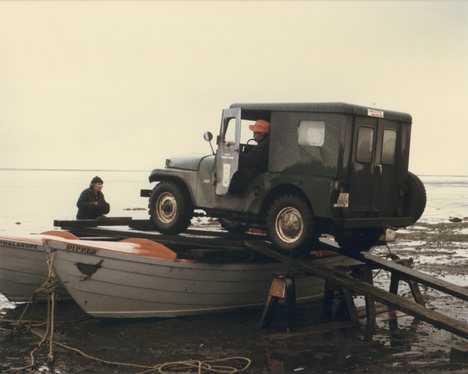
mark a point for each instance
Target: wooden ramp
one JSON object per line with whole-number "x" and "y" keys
{"x": 392, "y": 300}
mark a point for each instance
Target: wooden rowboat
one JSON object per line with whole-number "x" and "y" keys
{"x": 141, "y": 278}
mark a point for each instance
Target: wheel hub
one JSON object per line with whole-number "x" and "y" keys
{"x": 166, "y": 208}
{"x": 289, "y": 224}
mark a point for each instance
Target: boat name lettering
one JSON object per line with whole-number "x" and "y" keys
{"x": 79, "y": 249}
{"x": 8, "y": 243}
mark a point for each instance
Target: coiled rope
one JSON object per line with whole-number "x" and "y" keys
{"x": 230, "y": 365}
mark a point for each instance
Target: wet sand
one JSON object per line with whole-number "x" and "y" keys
{"x": 321, "y": 345}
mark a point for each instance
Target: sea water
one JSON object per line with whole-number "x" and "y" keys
{"x": 30, "y": 200}
{"x": 446, "y": 198}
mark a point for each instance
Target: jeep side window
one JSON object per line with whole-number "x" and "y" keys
{"x": 230, "y": 131}
{"x": 365, "y": 144}
{"x": 388, "y": 147}
{"x": 311, "y": 133}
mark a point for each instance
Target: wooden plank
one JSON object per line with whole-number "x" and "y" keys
{"x": 101, "y": 221}
{"x": 405, "y": 272}
{"x": 437, "y": 319}
{"x": 195, "y": 241}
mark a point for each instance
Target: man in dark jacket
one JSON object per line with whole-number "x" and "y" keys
{"x": 91, "y": 203}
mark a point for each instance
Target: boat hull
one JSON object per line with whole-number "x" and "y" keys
{"x": 23, "y": 267}
{"x": 126, "y": 285}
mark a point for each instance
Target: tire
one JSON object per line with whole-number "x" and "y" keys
{"x": 170, "y": 208}
{"x": 290, "y": 225}
{"x": 416, "y": 197}
{"x": 233, "y": 226}
{"x": 358, "y": 240}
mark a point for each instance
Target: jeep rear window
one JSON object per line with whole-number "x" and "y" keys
{"x": 388, "y": 147}
{"x": 311, "y": 133}
{"x": 365, "y": 144}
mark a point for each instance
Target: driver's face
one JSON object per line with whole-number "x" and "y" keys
{"x": 258, "y": 136}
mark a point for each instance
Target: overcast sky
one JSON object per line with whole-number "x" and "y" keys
{"x": 123, "y": 85}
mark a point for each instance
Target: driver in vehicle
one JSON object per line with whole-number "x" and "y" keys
{"x": 255, "y": 159}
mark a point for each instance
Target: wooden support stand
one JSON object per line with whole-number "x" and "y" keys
{"x": 282, "y": 287}
{"x": 361, "y": 272}
{"x": 414, "y": 287}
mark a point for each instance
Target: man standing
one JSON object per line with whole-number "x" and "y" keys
{"x": 91, "y": 203}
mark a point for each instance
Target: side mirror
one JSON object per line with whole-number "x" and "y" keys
{"x": 208, "y": 136}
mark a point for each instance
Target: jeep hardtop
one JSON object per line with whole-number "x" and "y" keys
{"x": 333, "y": 168}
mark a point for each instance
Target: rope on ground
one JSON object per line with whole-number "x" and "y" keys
{"x": 238, "y": 364}
{"x": 48, "y": 289}
{"x": 170, "y": 367}
{"x": 209, "y": 366}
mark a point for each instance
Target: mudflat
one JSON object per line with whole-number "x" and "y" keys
{"x": 321, "y": 344}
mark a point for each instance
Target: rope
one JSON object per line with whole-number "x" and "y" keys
{"x": 238, "y": 364}
{"x": 390, "y": 254}
{"x": 169, "y": 367}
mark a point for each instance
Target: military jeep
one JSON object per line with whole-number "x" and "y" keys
{"x": 333, "y": 168}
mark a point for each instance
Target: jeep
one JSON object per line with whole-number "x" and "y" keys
{"x": 332, "y": 168}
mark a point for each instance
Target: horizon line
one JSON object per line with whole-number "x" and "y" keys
{"x": 67, "y": 169}
{"x": 139, "y": 170}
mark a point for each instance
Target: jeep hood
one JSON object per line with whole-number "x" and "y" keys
{"x": 191, "y": 162}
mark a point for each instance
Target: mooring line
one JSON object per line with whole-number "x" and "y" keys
{"x": 48, "y": 288}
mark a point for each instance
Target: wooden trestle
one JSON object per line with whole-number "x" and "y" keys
{"x": 359, "y": 287}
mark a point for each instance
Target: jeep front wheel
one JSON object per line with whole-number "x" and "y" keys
{"x": 290, "y": 224}
{"x": 170, "y": 208}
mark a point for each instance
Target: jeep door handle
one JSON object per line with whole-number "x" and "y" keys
{"x": 380, "y": 168}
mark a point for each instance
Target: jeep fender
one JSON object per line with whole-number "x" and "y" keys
{"x": 186, "y": 179}
{"x": 317, "y": 191}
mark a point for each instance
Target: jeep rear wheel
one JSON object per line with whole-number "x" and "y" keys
{"x": 170, "y": 208}
{"x": 290, "y": 224}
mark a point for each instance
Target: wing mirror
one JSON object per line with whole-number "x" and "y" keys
{"x": 208, "y": 136}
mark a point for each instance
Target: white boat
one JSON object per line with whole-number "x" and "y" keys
{"x": 23, "y": 265}
{"x": 129, "y": 279}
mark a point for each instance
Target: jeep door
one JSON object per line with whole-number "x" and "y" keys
{"x": 374, "y": 166}
{"x": 227, "y": 156}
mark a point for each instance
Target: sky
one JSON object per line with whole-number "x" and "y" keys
{"x": 123, "y": 85}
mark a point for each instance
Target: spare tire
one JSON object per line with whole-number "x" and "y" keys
{"x": 416, "y": 197}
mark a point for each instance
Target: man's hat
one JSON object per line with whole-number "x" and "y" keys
{"x": 260, "y": 125}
